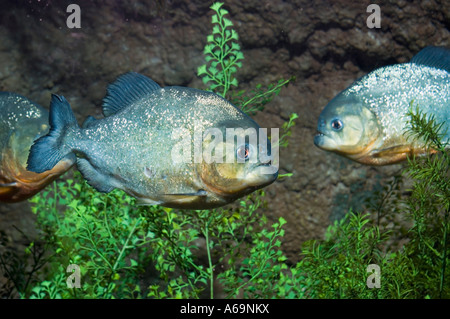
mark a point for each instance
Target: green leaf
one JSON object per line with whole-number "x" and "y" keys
{"x": 234, "y": 35}
{"x": 216, "y": 6}
{"x": 212, "y": 70}
{"x": 223, "y": 12}
{"x": 239, "y": 56}
{"x": 282, "y": 221}
{"x": 227, "y": 22}
{"x": 133, "y": 262}
{"x": 206, "y": 79}
{"x": 216, "y": 30}
{"x": 235, "y": 46}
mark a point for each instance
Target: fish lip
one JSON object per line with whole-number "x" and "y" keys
{"x": 273, "y": 170}
{"x": 268, "y": 164}
{"x": 319, "y": 133}
{"x": 318, "y": 138}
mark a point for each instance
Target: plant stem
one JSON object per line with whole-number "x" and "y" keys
{"x": 208, "y": 250}
{"x": 126, "y": 244}
{"x": 268, "y": 92}
{"x": 444, "y": 254}
{"x": 105, "y": 203}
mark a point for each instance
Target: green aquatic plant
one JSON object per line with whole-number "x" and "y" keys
{"x": 129, "y": 251}
{"x": 337, "y": 267}
{"x": 222, "y": 53}
{"x": 430, "y": 200}
{"x": 20, "y": 268}
{"x": 223, "y": 57}
{"x": 116, "y": 243}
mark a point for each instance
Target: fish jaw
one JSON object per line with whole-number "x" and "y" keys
{"x": 325, "y": 142}
{"x": 261, "y": 176}
{"x": 328, "y": 143}
{"x": 364, "y": 153}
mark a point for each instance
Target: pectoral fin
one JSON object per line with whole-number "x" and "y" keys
{"x": 94, "y": 178}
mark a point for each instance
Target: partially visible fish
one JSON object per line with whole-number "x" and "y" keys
{"x": 132, "y": 148}
{"x": 21, "y": 122}
{"x": 366, "y": 122}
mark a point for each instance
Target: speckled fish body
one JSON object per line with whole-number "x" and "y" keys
{"x": 367, "y": 121}
{"x": 21, "y": 122}
{"x": 131, "y": 148}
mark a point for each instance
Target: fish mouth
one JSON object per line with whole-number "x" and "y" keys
{"x": 325, "y": 142}
{"x": 319, "y": 133}
{"x": 319, "y": 138}
{"x": 264, "y": 164}
{"x": 262, "y": 174}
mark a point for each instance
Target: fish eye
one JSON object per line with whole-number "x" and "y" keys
{"x": 244, "y": 152}
{"x": 337, "y": 125}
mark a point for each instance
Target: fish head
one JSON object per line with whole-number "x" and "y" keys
{"x": 347, "y": 127}
{"x": 237, "y": 159}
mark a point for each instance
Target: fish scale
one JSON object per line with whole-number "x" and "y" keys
{"x": 428, "y": 87}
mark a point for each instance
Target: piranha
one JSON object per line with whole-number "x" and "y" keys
{"x": 21, "y": 122}
{"x": 366, "y": 122}
{"x": 132, "y": 148}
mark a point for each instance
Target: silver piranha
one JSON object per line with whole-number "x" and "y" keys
{"x": 21, "y": 122}
{"x": 137, "y": 146}
{"x": 366, "y": 122}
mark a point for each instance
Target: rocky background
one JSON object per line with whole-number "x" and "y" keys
{"x": 325, "y": 44}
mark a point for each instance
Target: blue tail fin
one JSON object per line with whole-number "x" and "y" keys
{"x": 48, "y": 150}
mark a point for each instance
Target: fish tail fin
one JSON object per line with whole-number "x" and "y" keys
{"x": 48, "y": 150}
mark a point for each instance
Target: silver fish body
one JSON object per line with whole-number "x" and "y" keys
{"x": 367, "y": 121}
{"x": 133, "y": 147}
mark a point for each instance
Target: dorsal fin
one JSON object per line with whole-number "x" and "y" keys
{"x": 437, "y": 57}
{"x": 127, "y": 89}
